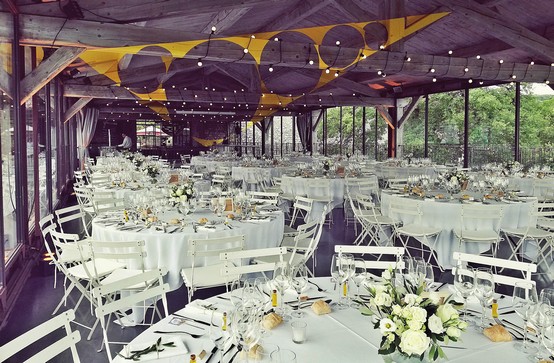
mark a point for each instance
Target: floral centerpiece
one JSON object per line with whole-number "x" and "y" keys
{"x": 455, "y": 180}
{"x": 182, "y": 193}
{"x": 152, "y": 171}
{"x": 512, "y": 167}
{"x": 326, "y": 165}
{"x": 412, "y": 324}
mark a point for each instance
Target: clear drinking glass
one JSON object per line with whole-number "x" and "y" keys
{"x": 484, "y": 290}
{"x": 360, "y": 275}
{"x": 299, "y": 281}
{"x": 541, "y": 316}
{"x": 281, "y": 282}
{"x": 464, "y": 282}
{"x": 524, "y": 297}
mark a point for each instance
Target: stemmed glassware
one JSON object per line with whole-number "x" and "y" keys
{"x": 341, "y": 264}
{"x": 217, "y": 335}
{"x": 246, "y": 328}
{"x": 299, "y": 281}
{"x": 524, "y": 297}
{"x": 464, "y": 283}
{"x": 484, "y": 289}
{"x": 359, "y": 276}
{"x": 541, "y": 316}
{"x": 281, "y": 282}
{"x": 424, "y": 273}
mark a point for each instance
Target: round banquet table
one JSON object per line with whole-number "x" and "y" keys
{"x": 341, "y": 336}
{"x": 170, "y": 249}
{"x": 448, "y": 216}
{"x": 297, "y": 185}
{"x": 384, "y": 171}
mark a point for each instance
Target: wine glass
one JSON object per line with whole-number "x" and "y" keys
{"x": 360, "y": 275}
{"x": 548, "y": 338}
{"x": 217, "y": 335}
{"x": 464, "y": 283}
{"x": 484, "y": 289}
{"x": 280, "y": 283}
{"x": 541, "y": 316}
{"x": 339, "y": 272}
{"x": 547, "y": 294}
{"x": 523, "y": 297}
{"x": 283, "y": 356}
{"x": 299, "y": 281}
{"x": 245, "y": 328}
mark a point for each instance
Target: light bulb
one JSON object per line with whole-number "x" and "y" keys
{"x": 214, "y": 29}
{"x": 336, "y": 73}
{"x": 327, "y": 70}
{"x": 470, "y": 80}
{"x": 270, "y": 68}
{"x": 501, "y": 61}
{"x": 466, "y": 69}
{"x": 245, "y": 50}
{"x": 532, "y": 63}
{"x": 434, "y": 79}
{"x": 432, "y": 70}
{"x": 408, "y": 59}
{"x": 379, "y": 72}
{"x": 337, "y": 42}
{"x": 450, "y": 52}
{"x": 478, "y": 56}
{"x": 547, "y": 81}
{"x": 276, "y": 39}
{"x": 514, "y": 76}
{"x": 199, "y": 62}
{"x": 311, "y": 62}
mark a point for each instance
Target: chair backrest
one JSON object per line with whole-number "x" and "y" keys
{"x": 301, "y": 204}
{"x": 233, "y": 261}
{"x": 264, "y": 197}
{"x": 83, "y": 194}
{"x": 102, "y": 205}
{"x": 319, "y": 188}
{"x": 526, "y": 269}
{"x": 69, "y": 242}
{"x": 53, "y": 349}
{"x": 395, "y": 253}
{"x": 70, "y": 216}
{"x": 130, "y": 253}
{"x": 544, "y": 210}
{"x": 106, "y": 307}
{"x": 481, "y": 217}
{"x": 307, "y": 239}
{"x": 405, "y": 210}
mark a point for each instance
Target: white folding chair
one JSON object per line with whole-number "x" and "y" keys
{"x": 379, "y": 228}
{"x": 392, "y": 256}
{"x": 499, "y": 265}
{"x": 107, "y": 306}
{"x": 234, "y": 266}
{"x": 205, "y": 270}
{"x": 264, "y": 197}
{"x": 480, "y": 224}
{"x": 533, "y": 234}
{"x": 401, "y": 210}
{"x": 302, "y": 207}
{"x": 53, "y": 349}
{"x": 83, "y": 195}
{"x": 319, "y": 190}
{"x": 71, "y": 217}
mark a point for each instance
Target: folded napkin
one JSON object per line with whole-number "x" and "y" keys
{"x": 202, "y": 307}
{"x": 178, "y": 349}
{"x": 206, "y": 228}
{"x": 259, "y": 220}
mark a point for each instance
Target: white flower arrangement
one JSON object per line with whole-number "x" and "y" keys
{"x": 410, "y": 323}
{"x": 182, "y": 193}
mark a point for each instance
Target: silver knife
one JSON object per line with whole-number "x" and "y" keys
{"x": 211, "y": 354}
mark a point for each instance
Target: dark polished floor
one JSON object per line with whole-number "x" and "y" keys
{"x": 38, "y": 299}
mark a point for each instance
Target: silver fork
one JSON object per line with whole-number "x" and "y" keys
{"x": 195, "y": 336}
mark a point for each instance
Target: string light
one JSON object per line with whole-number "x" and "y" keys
{"x": 213, "y": 29}
{"x": 501, "y": 61}
{"x": 547, "y": 81}
{"x": 478, "y": 56}
{"x": 532, "y": 63}
{"x": 450, "y": 52}
{"x": 245, "y": 50}
{"x": 466, "y": 69}
{"x": 432, "y": 70}
{"x": 327, "y": 70}
{"x": 199, "y": 62}
{"x": 336, "y": 73}
{"x": 514, "y": 76}
{"x": 470, "y": 80}
{"x": 434, "y": 79}
{"x": 337, "y": 42}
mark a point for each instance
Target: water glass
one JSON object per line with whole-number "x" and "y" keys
{"x": 299, "y": 331}
{"x": 484, "y": 290}
{"x": 524, "y": 297}
{"x": 464, "y": 283}
{"x": 283, "y": 356}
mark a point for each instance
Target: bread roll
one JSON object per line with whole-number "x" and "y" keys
{"x": 203, "y": 220}
{"x": 497, "y": 333}
{"x": 320, "y": 307}
{"x": 174, "y": 221}
{"x": 271, "y": 321}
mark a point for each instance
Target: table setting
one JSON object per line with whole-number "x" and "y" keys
{"x": 400, "y": 316}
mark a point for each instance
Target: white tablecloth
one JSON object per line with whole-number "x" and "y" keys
{"x": 343, "y": 336}
{"x": 447, "y": 215}
{"x": 171, "y": 249}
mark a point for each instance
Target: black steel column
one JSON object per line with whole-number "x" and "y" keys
{"x": 376, "y": 136}
{"x": 363, "y": 130}
{"x": 353, "y": 129}
{"x": 426, "y": 128}
{"x": 294, "y": 133}
{"x": 48, "y": 146}
{"x": 340, "y": 130}
{"x": 517, "y": 156}
{"x": 20, "y": 143}
{"x": 254, "y": 140}
{"x": 466, "y": 127}
{"x": 392, "y": 142}
{"x": 263, "y": 122}
{"x": 281, "y": 125}
{"x": 272, "y": 137}
{"x": 325, "y": 132}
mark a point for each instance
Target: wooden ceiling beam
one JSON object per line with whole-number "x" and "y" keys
{"x": 47, "y": 70}
{"x": 408, "y": 111}
{"x": 130, "y": 11}
{"x": 119, "y": 93}
{"x": 225, "y": 19}
{"x": 385, "y": 115}
{"x": 504, "y": 29}
{"x": 350, "y": 9}
{"x": 76, "y": 107}
{"x": 445, "y": 86}
{"x": 292, "y": 16}
{"x": 5, "y": 82}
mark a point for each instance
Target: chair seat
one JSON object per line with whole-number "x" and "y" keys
{"x": 206, "y": 276}
{"x": 297, "y": 259}
{"x": 378, "y": 219}
{"x": 103, "y": 268}
{"x": 477, "y": 236}
{"x": 124, "y": 273}
{"x": 290, "y": 231}
{"x": 71, "y": 254}
{"x": 529, "y": 233}
{"x": 414, "y": 230}
{"x": 546, "y": 223}
{"x": 288, "y": 241}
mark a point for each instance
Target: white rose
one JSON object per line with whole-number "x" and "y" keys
{"x": 435, "y": 324}
{"x": 415, "y": 313}
{"x": 434, "y": 297}
{"x": 414, "y": 342}
{"x": 415, "y": 324}
{"x": 396, "y": 309}
{"x": 446, "y": 312}
{"x": 378, "y": 288}
{"x": 410, "y": 299}
{"x": 382, "y": 299}
{"x": 183, "y": 198}
{"x": 453, "y": 332}
{"x": 386, "y": 275}
{"x": 386, "y": 325}
{"x": 454, "y": 179}
{"x": 179, "y": 192}
{"x": 462, "y": 325}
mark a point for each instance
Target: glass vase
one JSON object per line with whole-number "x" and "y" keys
{"x": 397, "y": 357}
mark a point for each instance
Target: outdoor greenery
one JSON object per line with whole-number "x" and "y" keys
{"x": 491, "y": 128}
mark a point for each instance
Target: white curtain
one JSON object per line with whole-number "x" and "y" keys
{"x": 86, "y": 124}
